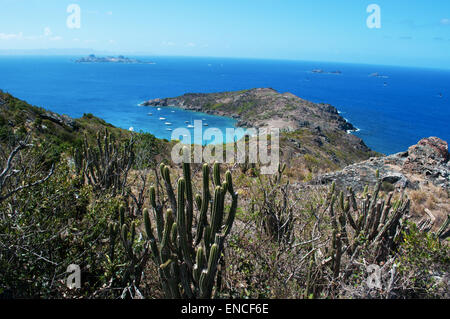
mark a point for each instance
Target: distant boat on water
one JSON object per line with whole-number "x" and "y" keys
{"x": 149, "y": 114}
{"x": 168, "y": 123}
{"x": 159, "y": 109}
{"x": 162, "y": 118}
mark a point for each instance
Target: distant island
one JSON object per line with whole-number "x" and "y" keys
{"x": 110, "y": 59}
{"x": 325, "y": 72}
{"x": 378, "y": 75}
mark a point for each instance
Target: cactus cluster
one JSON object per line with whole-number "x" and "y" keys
{"x": 443, "y": 231}
{"x": 137, "y": 257}
{"x": 375, "y": 222}
{"x": 426, "y": 224}
{"x": 105, "y": 165}
{"x": 275, "y": 211}
{"x": 188, "y": 258}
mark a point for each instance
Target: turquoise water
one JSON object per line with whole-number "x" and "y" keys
{"x": 392, "y": 113}
{"x": 166, "y": 120}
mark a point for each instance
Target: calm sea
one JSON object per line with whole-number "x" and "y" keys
{"x": 392, "y": 111}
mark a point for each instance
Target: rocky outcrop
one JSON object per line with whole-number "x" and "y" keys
{"x": 423, "y": 163}
{"x": 63, "y": 120}
{"x": 429, "y": 158}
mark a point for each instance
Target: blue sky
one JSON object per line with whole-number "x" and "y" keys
{"x": 412, "y": 33}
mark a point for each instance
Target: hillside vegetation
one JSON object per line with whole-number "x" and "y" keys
{"x": 82, "y": 192}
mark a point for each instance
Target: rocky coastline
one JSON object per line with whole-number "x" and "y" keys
{"x": 261, "y": 107}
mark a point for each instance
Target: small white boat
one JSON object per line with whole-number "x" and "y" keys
{"x": 159, "y": 109}
{"x": 190, "y": 126}
{"x": 149, "y": 114}
{"x": 168, "y": 123}
{"x": 168, "y": 129}
{"x": 172, "y": 111}
{"x": 162, "y": 118}
{"x": 205, "y": 124}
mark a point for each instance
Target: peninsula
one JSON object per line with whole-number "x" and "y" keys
{"x": 261, "y": 107}
{"x": 306, "y": 127}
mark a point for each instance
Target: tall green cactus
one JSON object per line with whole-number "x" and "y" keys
{"x": 137, "y": 258}
{"x": 105, "y": 164}
{"x": 188, "y": 256}
{"x": 373, "y": 222}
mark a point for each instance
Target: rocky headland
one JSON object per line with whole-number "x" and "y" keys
{"x": 261, "y": 107}
{"x": 312, "y": 129}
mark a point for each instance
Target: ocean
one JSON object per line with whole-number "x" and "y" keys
{"x": 392, "y": 111}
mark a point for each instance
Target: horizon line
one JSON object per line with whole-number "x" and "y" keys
{"x": 28, "y": 52}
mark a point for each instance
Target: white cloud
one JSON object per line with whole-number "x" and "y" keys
{"x": 11, "y": 36}
{"x": 445, "y": 21}
{"x": 190, "y": 44}
{"x": 47, "y": 32}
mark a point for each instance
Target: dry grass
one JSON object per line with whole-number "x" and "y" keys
{"x": 432, "y": 198}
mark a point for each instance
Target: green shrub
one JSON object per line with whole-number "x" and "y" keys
{"x": 423, "y": 262}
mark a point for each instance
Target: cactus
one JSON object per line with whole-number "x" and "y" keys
{"x": 443, "y": 233}
{"x": 137, "y": 259}
{"x": 187, "y": 259}
{"x": 105, "y": 165}
{"x": 275, "y": 207}
{"x": 374, "y": 222}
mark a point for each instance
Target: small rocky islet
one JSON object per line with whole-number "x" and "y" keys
{"x": 111, "y": 59}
